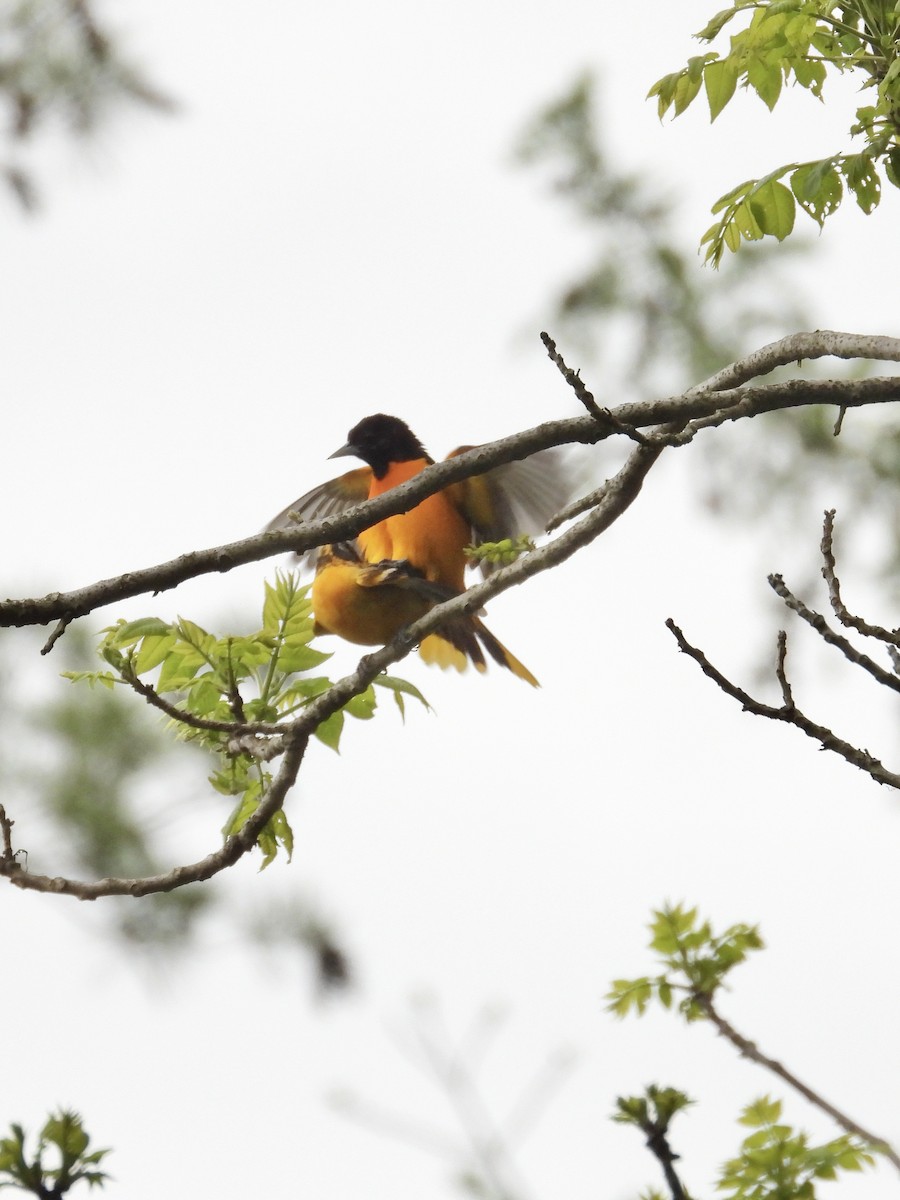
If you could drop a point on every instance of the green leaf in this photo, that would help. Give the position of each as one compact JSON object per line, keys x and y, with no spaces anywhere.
{"x":731,"y":236}
{"x":104,"y":678}
{"x":286,"y":608}
{"x":664,"y":90}
{"x":862,"y":178}
{"x":810,"y":74}
{"x":276,"y":832}
{"x":329,"y":731}
{"x":714,"y":27}
{"x":179,"y":669}
{"x":294,"y":658}
{"x":628,"y":994}
{"x":128,"y":632}
{"x":689,"y":83}
{"x":301,"y":690}
{"x":773,"y":208}
{"x":736,"y":193}
{"x":400,"y":688}
{"x":362,"y":706}
{"x":766,"y":80}
{"x":153,"y":650}
{"x":669,"y":926}
{"x":203,"y":643}
{"x":204,"y":697}
{"x":763,"y":1111}
{"x":720,"y":79}
{"x":240,"y":814}
{"x":818,"y":188}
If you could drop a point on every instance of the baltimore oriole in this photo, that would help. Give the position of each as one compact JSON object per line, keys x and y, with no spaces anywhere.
{"x":401,"y":567}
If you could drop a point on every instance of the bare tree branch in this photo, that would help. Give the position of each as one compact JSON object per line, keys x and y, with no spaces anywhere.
{"x":788,"y":712}
{"x":823,"y":343}
{"x":606,"y":506}
{"x":658,"y":1145}
{"x":573,"y":378}
{"x":718,"y":399}
{"x":234,"y":848}
{"x":829,"y":573}
{"x":817,"y":622}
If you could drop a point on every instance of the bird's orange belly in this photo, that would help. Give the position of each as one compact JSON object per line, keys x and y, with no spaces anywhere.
{"x":366,"y":616}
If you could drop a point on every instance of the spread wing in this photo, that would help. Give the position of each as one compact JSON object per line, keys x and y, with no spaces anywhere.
{"x":515,"y":498}
{"x":326,"y":500}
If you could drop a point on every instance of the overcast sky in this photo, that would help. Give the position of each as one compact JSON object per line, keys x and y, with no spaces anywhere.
{"x":332,"y":226}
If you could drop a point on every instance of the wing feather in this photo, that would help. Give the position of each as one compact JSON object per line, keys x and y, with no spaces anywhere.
{"x":515,"y":498}
{"x":326,"y":500}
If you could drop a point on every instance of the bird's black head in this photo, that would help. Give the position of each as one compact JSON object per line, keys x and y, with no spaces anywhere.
{"x":380,"y":440}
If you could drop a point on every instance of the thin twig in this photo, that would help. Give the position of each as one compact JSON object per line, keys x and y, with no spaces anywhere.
{"x":235,"y":728}
{"x":658,"y":1144}
{"x":790,"y":714}
{"x":787,"y":694}
{"x":829,"y":573}
{"x":575,"y":382}
{"x":235,"y":847}
{"x":61,"y":627}
{"x":6,"y":825}
{"x":817,"y":622}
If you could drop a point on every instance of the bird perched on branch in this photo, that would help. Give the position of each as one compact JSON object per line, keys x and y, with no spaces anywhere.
{"x":398,"y":569}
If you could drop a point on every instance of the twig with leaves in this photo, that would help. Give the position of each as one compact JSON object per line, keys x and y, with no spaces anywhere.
{"x":652,"y":1113}
{"x":696,"y":963}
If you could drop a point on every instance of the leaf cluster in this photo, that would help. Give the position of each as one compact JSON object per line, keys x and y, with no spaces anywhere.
{"x":777,"y":1161}
{"x":696,"y":962}
{"x":63,"y":1135}
{"x":638,"y":301}
{"x":232,"y":693}
{"x":652,"y":1112}
{"x":501,"y":553}
{"x":798,"y":42}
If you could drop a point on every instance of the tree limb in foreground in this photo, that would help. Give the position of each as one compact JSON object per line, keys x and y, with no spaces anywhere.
{"x":720,"y":398}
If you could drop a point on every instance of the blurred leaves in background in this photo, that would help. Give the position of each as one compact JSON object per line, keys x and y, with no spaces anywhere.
{"x":649,"y":320}
{"x":106,"y":792}
{"x":61,"y":67}
{"x":643,"y":307}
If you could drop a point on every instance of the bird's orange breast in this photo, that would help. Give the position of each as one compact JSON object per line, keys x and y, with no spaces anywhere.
{"x":432,"y":536}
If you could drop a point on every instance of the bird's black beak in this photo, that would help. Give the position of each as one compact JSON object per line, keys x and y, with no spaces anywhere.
{"x":346,"y":451}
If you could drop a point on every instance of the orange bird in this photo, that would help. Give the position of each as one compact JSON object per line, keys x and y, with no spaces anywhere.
{"x":401,"y":567}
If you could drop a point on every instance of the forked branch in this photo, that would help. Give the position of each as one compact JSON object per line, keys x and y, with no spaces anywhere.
{"x":788,"y":711}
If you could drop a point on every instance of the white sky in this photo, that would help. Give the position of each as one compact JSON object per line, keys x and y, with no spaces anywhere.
{"x":332,"y":227}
